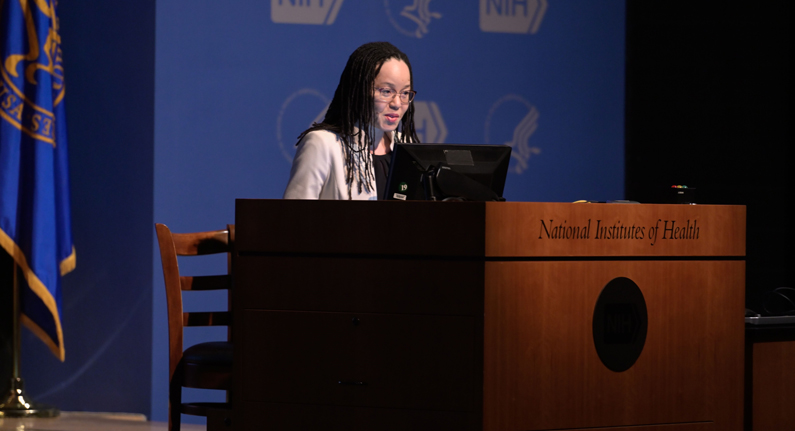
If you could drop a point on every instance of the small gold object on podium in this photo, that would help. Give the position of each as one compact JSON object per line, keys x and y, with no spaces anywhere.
{"x":15,"y":404}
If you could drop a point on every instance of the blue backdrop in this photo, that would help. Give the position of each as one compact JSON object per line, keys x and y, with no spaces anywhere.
{"x":236,"y":86}
{"x":235,"y":82}
{"x":108,"y":52}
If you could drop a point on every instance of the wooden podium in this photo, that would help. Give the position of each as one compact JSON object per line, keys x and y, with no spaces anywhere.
{"x":488,"y":316}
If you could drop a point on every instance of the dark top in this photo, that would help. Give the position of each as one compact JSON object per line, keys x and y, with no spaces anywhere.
{"x":381,"y":167}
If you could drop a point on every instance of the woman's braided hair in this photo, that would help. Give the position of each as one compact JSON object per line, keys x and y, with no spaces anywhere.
{"x":350,"y":114}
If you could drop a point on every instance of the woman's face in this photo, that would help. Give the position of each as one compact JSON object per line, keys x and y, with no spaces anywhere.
{"x":394,"y":75}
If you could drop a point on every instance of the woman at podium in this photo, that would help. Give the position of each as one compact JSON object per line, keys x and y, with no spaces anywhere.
{"x":347,"y":155}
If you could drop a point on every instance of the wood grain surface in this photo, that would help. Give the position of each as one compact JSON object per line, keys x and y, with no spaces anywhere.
{"x":774,"y":381}
{"x":416,"y":228}
{"x":515,"y":229}
{"x":541,"y":369}
{"x":418,"y":291}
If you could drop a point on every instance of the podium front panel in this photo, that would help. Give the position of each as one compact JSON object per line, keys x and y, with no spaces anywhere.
{"x":531,"y":229}
{"x":483,"y":316}
{"x":542,"y":370}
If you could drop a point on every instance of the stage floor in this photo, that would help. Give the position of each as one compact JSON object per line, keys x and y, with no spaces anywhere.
{"x":83,"y":421}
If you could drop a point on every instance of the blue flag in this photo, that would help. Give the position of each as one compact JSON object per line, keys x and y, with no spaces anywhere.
{"x":34,"y":187}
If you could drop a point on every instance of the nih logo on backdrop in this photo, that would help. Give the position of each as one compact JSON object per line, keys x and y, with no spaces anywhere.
{"x":316,"y":12}
{"x":511,"y":16}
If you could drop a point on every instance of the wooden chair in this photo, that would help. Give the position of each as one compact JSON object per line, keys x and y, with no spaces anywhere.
{"x":205,"y":365}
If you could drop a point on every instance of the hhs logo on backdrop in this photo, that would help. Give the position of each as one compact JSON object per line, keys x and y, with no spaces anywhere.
{"x":511,"y":16}
{"x":317,"y":12}
{"x":414,"y":17}
{"x":511,"y":121}
{"x":297,"y":113}
{"x":429,"y":123}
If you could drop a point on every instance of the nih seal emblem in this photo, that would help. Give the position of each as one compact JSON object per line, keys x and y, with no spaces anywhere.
{"x":416,"y":17}
{"x":511,"y":16}
{"x":316,"y":12}
{"x":20,"y":71}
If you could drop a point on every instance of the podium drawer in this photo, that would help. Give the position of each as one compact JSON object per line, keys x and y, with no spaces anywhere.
{"x":367,"y":360}
{"x":419,"y":286}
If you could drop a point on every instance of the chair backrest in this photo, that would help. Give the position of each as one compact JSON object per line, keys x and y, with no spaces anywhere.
{"x":192,"y":244}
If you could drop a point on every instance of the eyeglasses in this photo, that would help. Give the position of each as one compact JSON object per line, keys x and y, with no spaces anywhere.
{"x":387,"y":94}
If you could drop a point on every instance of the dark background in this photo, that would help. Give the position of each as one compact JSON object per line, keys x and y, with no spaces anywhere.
{"x":707,"y":106}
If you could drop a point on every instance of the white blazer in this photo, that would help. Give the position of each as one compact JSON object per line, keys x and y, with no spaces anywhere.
{"x":319,"y":169}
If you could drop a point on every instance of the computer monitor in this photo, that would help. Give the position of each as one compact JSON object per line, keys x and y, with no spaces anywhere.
{"x":447,"y":171}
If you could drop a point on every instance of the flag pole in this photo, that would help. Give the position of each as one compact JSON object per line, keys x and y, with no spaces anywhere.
{"x":15,"y":403}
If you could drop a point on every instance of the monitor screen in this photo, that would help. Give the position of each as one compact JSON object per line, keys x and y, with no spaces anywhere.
{"x":469,"y":172}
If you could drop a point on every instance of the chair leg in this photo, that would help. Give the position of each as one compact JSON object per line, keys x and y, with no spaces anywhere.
{"x":174,"y":404}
